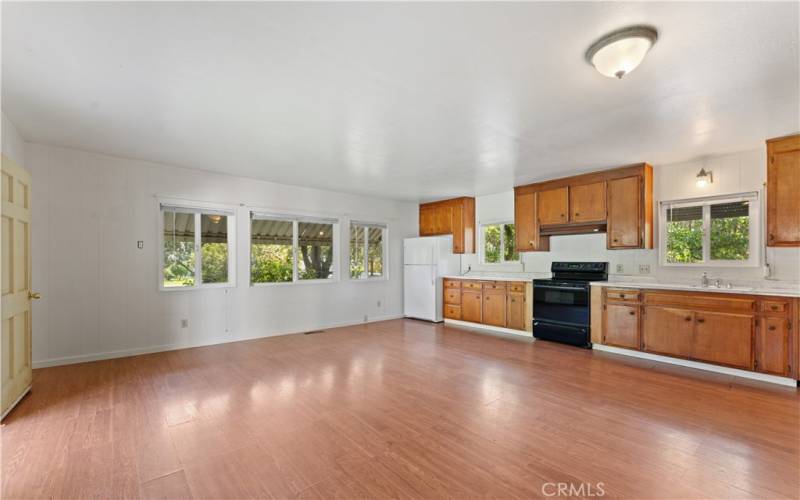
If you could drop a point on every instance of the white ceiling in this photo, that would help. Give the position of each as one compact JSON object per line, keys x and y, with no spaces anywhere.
{"x":408,"y":101}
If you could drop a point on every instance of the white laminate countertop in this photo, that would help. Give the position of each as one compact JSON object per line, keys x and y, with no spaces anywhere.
{"x":746,"y":290}
{"x":486,"y":276}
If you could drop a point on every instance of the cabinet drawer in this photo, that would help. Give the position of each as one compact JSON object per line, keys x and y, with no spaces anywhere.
{"x":452,"y":296}
{"x":618,"y":294}
{"x":472,"y":285}
{"x":516,"y":287}
{"x":494,"y":286}
{"x":775,"y":306}
{"x":700,"y":301}
{"x":452,"y":283}
{"x":452,"y":311}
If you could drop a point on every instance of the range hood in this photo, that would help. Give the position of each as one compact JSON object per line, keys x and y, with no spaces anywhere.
{"x":562,"y":229}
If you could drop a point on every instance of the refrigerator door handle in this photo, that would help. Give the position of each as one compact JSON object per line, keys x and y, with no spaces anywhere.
{"x":433,"y":266}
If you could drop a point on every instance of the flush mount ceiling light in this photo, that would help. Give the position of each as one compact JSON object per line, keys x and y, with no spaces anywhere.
{"x":704,"y":178}
{"x":620,"y":52}
{"x":215,"y":219}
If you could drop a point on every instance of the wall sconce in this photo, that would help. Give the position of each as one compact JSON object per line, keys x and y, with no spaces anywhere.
{"x":704,"y":178}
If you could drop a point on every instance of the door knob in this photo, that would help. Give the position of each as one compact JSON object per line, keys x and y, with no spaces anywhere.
{"x":34,"y":295}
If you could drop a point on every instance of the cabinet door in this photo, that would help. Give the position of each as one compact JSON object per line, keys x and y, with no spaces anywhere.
{"x":772,"y":346}
{"x":526,"y":224}
{"x":783,"y":186}
{"x":494,"y":309}
{"x":444,"y":219}
{"x":457,"y":215}
{"x":621,"y":326}
{"x":723,"y":338}
{"x":427,"y":220}
{"x":471,"y":306}
{"x":668,"y":330}
{"x":515,"y":311}
{"x":624,"y":213}
{"x":587,"y":203}
{"x":553,"y":206}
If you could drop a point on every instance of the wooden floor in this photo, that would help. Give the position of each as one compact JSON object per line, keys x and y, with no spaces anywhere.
{"x":400,"y":409}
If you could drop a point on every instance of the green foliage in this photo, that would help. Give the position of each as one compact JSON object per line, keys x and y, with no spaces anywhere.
{"x":316,"y":262}
{"x":214,"y":262}
{"x":270,"y":263}
{"x":730,"y":238}
{"x":178,"y":263}
{"x":685,"y":241}
{"x":510,"y":237}
{"x":491,"y":244}
{"x":375,"y":258}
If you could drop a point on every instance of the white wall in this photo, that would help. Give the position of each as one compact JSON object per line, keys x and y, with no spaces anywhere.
{"x":13,"y":146}
{"x":733,"y":173}
{"x":100,"y":293}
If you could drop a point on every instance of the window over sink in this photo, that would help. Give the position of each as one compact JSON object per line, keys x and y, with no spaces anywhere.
{"x":498,"y":243}
{"x":712,"y":231}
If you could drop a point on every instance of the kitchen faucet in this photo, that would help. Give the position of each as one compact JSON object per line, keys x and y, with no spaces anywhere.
{"x":704,"y":280}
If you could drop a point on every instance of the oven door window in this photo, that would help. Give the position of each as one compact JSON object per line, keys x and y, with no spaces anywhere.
{"x":558,"y":296}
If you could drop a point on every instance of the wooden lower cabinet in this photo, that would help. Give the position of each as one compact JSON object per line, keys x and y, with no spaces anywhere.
{"x":748,"y":332}
{"x":621,"y":325}
{"x":471,"y":305}
{"x":723,"y":338}
{"x":495,"y":303}
{"x":668,"y":330}
{"x":773,"y":353}
{"x":494,"y":308}
{"x":515,"y":311}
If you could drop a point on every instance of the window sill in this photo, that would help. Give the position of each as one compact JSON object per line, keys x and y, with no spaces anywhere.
{"x":329,"y":281}
{"x":701,"y":265}
{"x":368,"y":280}
{"x":207,"y":286}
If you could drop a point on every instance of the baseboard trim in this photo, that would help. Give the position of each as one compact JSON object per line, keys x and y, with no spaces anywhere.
{"x":762,"y":377}
{"x":124,"y":353}
{"x":489,"y":328}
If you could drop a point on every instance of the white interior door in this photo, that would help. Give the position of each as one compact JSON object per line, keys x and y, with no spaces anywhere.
{"x":15,"y":274}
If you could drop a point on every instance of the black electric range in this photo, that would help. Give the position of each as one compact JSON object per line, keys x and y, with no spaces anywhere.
{"x":561,"y":306}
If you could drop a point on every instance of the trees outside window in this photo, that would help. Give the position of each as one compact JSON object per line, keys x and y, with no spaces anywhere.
{"x":499,"y":243}
{"x":367,"y":250}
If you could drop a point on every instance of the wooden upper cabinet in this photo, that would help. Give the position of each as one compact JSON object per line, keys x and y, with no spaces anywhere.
{"x":552,"y":206}
{"x":455,"y":217}
{"x":427,"y":221}
{"x":526,"y":224}
{"x":624,"y":213}
{"x":783,"y":186}
{"x":587,"y":202}
{"x":618,"y":201}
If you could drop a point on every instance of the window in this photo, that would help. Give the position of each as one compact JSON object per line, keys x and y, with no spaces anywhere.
{"x":197,"y":247}
{"x":499,"y":243}
{"x":714,"y":231}
{"x":292,"y":249}
{"x":367,"y":250}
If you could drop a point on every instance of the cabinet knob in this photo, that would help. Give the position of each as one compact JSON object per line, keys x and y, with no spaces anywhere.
{"x":687,"y":318}
{"x":771,"y":237}
{"x":631,"y":313}
{"x":577,"y":214}
{"x":615,"y":240}
{"x":701,"y":320}
{"x":774,"y":308}
{"x":771,"y":328}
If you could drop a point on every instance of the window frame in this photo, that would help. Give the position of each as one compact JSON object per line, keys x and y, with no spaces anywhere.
{"x":755,"y":239}
{"x":198,"y":209}
{"x":295,"y":220}
{"x":482,"y":243}
{"x":365,"y":278}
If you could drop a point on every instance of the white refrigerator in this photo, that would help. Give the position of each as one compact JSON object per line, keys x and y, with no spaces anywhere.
{"x":425,"y":261}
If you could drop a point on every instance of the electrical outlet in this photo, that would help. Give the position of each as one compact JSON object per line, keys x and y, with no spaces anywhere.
{"x":620,"y":268}
{"x":379,"y":303}
{"x":184,"y":323}
{"x":644,"y":268}
{"x":140,"y":244}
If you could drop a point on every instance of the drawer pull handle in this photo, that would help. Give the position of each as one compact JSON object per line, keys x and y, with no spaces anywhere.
{"x":771,"y":328}
{"x":701,"y":320}
{"x":687,"y":318}
{"x":631,"y":313}
{"x":622,"y":295}
{"x":774,"y":308}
